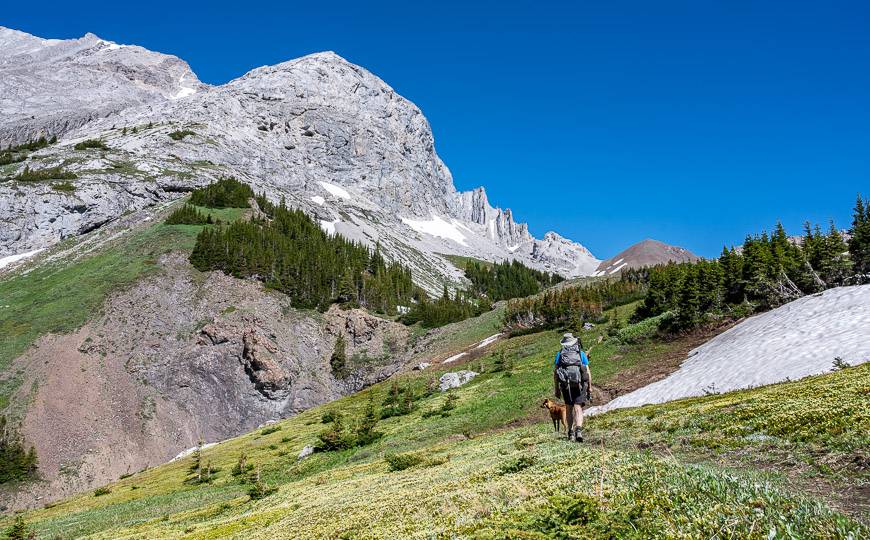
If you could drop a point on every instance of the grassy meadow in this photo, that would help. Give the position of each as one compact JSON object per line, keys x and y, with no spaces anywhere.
{"x":491,"y":467}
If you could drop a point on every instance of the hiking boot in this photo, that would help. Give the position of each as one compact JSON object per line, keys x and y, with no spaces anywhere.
{"x":570,"y":435}
{"x":578,"y":435}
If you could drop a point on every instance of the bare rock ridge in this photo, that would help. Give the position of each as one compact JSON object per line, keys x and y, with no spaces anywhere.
{"x":51,"y":86}
{"x":645,"y":253}
{"x":328,"y":135}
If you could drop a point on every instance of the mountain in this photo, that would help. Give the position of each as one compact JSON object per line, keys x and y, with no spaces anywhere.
{"x":51,"y":86}
{"x":120,"y":354}
{"x":645,"y":253}
{"x":327,"y":135}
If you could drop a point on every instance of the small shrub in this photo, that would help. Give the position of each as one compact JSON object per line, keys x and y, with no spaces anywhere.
{"x":400,"y":462}
{"x":91,"y":143}
{"x":100,"y":491}
{"x":839,"y":364}
{"x":38,"y":175}
{"x":180,"y":134}
{"x":20,"y":530}
{"x":270,"y":429}
{"x":259,"y":489}
{"x":188,"y":215}
{"x":327,"y":417}
{"x":516,"y":465}
{"x":64,"y":187}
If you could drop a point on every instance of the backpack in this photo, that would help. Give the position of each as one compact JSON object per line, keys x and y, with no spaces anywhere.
{"x":570,"y":365}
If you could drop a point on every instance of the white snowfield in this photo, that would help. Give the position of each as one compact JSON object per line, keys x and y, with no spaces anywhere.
{"x":335,"y":191}
{"x":438,"y":227}
{"x":793,"y":341}
{"x":6,"y":261}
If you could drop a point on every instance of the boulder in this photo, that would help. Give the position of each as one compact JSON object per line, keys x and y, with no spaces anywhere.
{"x":455,"y":379}
{"x":305,"y":452}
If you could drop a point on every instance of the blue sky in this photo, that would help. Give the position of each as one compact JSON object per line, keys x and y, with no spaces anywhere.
{"x":693,"y":122}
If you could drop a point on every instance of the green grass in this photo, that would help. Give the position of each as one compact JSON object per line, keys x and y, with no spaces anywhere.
{"x":61,"y":297}
{"x":461,"y":262}
{"x":471,"y":474}
{"x":821,"y":421}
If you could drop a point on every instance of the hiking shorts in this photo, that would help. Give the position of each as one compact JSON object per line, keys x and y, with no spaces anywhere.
{"x":573,"y":394}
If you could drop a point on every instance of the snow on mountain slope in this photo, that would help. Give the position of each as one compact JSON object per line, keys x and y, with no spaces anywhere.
{"x":328,"y":136}
{"x":798,"y":339}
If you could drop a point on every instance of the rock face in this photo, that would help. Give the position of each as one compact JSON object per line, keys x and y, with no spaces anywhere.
{"x":455,"y":379}
{"x":329,"y":136}
{"x":645,"y":253}
{"x":50,"y":86}
{"x":177,"y":359}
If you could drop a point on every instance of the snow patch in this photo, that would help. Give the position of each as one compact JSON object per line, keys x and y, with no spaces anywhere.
{"x":793,"y":341}
{"x":488,"y":340}
{"x":617,"y":269}
{"x":6,"y":261}
{"x":438,"y":227}
{"x":184,"y":92}
{"x":318,"y":200}
{"x":189,"y":451}
{"x":328,"y":226}
{"x":513,"y":248}
{"x":454,"y":358}
{"x":335,"y":191}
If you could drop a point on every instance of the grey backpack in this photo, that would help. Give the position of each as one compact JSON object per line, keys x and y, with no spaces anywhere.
{"x":570,"y":364}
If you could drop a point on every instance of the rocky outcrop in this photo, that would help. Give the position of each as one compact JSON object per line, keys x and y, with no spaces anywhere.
{"x":262,"y":368}
{"x":455,"y":379}
{"x":177,"y":358}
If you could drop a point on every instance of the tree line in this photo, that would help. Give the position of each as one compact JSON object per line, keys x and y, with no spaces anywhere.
{"x":572,"y":306}
{"x":225,"y":193}
{"x":508,"y":279}
{"x":289,"y":252}
{"x":767,"y":271}
{"x":446,"y":309}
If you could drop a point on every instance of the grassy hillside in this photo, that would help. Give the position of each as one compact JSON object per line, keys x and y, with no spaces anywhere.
{"x":61,"y":296}
{"x":491,"y":466}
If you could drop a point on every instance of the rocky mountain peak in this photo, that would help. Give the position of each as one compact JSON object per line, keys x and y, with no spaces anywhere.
{"x":51,"y":86}
{"x":647,"y":252}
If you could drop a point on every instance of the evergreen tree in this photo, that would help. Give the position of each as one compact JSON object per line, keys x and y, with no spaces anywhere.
{"x":20,"y":530}
{"x":17,"y":462}
{"x":338,"y":360}
{"x":859,"y":241}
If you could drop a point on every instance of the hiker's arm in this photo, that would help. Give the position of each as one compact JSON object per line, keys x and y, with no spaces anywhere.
{"x":556,"y":391}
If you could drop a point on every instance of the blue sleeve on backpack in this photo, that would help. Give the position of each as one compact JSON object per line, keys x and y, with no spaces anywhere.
{"x":558,"y":355}
{"x":584,"y":358}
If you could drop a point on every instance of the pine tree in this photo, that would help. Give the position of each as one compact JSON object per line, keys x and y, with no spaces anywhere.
{"x":338,"y":360}
{"x":859,"y":243}
{"x":20,"y":530}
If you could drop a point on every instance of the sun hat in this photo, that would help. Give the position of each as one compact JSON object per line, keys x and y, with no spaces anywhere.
{"x":568,"y":340}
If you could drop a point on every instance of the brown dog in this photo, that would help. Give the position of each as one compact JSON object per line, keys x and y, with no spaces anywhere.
{"x":558,"y":413}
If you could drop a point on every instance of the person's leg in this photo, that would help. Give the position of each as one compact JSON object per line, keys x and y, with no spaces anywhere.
{"x":578,"y":420}
{"x":570,"y":426}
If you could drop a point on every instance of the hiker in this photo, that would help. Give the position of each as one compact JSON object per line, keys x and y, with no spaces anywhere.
{"x":571,"y":380}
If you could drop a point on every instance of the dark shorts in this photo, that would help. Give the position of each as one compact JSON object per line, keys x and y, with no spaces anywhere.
{"x":573,"y":394}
